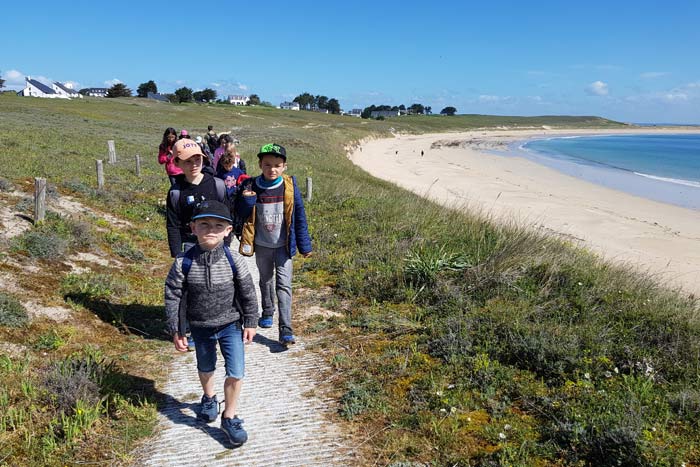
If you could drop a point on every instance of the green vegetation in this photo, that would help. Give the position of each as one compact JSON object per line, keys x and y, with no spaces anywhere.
{"x":462,"y":342}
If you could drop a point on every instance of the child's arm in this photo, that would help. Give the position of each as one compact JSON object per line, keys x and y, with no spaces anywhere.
{"x":301,"y":228}
{"x":245,"y":290}
{"x":173,"y":295}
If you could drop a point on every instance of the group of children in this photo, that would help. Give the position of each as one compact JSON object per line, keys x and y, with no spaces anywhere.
{"x":209,"y":291}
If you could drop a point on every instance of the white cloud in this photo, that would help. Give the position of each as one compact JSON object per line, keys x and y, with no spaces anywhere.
{"x":216,"y":85}
{"x":597,"y":88}
{"x":112,"y":82}
{"x":242,"y":87}
{"x":673,"y":96}
{"x":72,"y":84}
{"x":13,"y":78}
{"x":490,"y":98}
{"x":653,"y":74}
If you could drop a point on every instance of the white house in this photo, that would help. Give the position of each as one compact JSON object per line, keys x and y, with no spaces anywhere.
{"x":95,"y":92}
{"x":66,"y":90}
{"x":33,"y":88}
{"x":289,"y":106}
{"x":238,"y":100}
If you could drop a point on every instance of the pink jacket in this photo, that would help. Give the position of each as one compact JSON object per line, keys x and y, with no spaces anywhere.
{"x":165,"y":157}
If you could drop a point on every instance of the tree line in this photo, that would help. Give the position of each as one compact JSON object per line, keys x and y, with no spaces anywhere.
{"x":308,"y":101}
{"x":183,"y":94}
{"x":413,"y":109}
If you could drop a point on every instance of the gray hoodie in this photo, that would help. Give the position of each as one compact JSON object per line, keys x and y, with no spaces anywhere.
{"x":211,"y":291}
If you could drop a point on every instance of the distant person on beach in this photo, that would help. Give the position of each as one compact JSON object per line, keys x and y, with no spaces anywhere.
{"x":227,"y":146}
{"x":211,"y":139}
{"x":165,"y":154}
{"x":190,"y":189}
{"x":211,"y":288}
{"x":421,"y":153}
{"x":275,"y":227}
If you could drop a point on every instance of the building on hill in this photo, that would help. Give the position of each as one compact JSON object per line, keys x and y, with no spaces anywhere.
{"x":66,"y":90}
{"x":354,"y":113}
{"x":94,"y":92}
{"x":238,"y":100}
{"x":34,"y":88}
{"x":384,"y":113}
{"x":289,"y":106}
{"x":157,"y":97}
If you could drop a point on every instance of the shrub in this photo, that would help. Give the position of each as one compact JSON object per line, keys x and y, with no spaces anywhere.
{"x":91,"y":286}
{"x":42,"y":244}
{"x":6,"y":185}
{"x":12,"y":312}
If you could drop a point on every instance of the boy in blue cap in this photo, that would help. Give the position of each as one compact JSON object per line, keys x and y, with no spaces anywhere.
{"x":274,"y":229}
{"x":213,"y":290}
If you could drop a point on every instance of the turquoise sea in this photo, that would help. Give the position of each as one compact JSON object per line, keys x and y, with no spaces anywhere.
{"x":664,"y":168}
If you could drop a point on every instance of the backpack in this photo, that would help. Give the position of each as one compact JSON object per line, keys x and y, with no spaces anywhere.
{"x":186,"y":266}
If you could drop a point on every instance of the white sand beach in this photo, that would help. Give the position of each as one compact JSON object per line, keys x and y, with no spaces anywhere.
{"x":456,"y":171}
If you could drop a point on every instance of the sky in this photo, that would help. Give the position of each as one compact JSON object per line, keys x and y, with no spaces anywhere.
{"x":628,"y":61}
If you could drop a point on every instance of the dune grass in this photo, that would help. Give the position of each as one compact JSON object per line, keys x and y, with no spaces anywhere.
{"x":463,"y":341}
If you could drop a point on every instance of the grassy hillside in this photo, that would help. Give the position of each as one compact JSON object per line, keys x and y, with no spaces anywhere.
{"x":461,"y":342}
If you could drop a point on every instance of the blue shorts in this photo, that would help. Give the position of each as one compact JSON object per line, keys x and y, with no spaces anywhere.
{"x":230,"y":339}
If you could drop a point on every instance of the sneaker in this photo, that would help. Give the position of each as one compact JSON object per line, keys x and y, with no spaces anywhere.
{"x":208,"y":409}
{"x":265,"y":322}
{"x":190,"y":343}
{"x":287,"y":339}
{"x":233,"y":427}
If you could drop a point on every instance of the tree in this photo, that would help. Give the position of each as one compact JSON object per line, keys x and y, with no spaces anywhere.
{"x":184,"y":94}
{"x":305,"y":100}
{"x":416,"y":109}
{"x":333,"y":106}
{"x":205,"y":95}
{"x":321,"y":102}
{"x":145,"y":88}
{"x":119,"y":90}
{"x":253,"y":99}
{"x":428,"y":110}
{"x":2,"y":83}
{"x":448,"y":111}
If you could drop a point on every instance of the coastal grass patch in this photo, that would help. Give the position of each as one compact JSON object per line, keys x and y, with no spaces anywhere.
{"x":464,"y":341}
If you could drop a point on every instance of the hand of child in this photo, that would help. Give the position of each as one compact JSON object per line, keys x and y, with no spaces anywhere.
{"x":248,"y":334}
{"x":307,"y":255}
{"x":180,"y":342}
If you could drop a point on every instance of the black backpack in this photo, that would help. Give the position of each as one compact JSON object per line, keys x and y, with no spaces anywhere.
{"x":174,"y":195}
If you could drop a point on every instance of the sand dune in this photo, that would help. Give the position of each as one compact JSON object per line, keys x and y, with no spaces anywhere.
{"x":454,"y":170}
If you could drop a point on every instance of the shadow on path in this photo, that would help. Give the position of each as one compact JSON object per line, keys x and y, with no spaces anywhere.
{"x":273,"y":345}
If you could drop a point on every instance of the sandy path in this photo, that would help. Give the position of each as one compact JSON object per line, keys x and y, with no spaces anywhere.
{"x":286,"y":418}
{"x":659,"y":238}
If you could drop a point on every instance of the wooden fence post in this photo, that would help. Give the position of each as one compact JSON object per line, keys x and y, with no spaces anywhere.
{"x":100,"y":175}
{"x":112,"y":152}
{"x":39,"y":199}
{"x":138,"y":165}
{"x":309,"y":188}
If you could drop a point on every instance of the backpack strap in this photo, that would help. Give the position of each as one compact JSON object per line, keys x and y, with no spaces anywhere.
{"x":220,"y":189}
{"x":174,"y":195}
{"x":229,"y":256}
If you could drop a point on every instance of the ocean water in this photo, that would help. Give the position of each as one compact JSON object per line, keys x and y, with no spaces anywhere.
{"x":664,"y":168}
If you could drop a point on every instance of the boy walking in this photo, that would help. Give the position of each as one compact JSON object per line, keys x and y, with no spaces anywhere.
{"x":213,"y":290}
{"x":274,"y":229}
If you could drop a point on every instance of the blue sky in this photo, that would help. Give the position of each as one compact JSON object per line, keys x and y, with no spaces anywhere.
{"x":629,"y":61}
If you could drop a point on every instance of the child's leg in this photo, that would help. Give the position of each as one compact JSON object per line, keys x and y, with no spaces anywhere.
{"x":264,"y":259}
{"x":233,"y":351}
{"x":206,"y":358}
{"x":207,"y":380}
{"x":283,"y":282}
{"x":232,"y":391}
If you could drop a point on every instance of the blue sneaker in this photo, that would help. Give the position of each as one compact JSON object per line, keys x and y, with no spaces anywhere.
{"x":190,"y":343}
{"x":208,"y":409}
{"x":265,"y":322}
{"x":287,"y":339}
{"x":233,"y":427}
